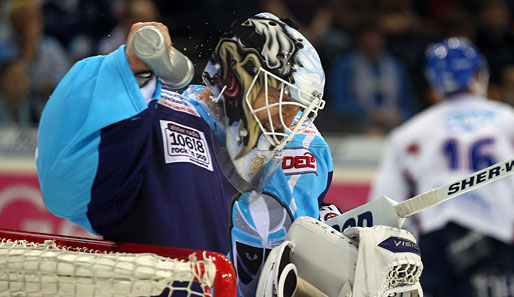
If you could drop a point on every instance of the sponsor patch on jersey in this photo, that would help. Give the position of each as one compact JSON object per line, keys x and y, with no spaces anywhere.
{"x":308,"y":129}
{"x":299,"y":161}
{"x":311,"y":129}
{"x":176,"y":102}
{"x":185,"y":144}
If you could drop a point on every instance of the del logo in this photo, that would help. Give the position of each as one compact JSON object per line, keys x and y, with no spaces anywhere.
{"x":299,"y":161}
{"x":400,"y":245}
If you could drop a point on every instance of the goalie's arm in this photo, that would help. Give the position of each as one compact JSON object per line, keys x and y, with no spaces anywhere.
{"x":96,"y":93}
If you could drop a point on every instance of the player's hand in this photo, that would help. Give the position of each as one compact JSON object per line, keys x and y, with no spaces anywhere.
{"x":137,"y":65}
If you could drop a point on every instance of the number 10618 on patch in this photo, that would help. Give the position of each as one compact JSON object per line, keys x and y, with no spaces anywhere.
{"x":185,"y":144}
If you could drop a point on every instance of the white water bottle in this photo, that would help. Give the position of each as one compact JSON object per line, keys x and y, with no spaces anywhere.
{"x":173,"y":68}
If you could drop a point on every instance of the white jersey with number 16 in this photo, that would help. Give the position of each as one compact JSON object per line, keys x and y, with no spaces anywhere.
{"x":448,"y":141}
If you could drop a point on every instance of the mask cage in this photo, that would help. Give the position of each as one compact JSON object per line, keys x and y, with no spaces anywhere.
{"x":280,"y":134}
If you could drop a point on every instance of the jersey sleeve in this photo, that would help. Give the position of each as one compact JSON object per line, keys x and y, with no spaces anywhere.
{"x":95,"y":93}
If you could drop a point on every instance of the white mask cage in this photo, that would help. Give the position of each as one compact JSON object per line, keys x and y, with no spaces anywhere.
{"x":280,"y":134}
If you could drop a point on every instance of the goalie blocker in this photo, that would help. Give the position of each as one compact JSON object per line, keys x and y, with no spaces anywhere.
{"x":317,"y":260}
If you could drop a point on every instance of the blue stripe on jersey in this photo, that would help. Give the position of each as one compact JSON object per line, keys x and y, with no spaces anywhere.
{"x":68,"y":160}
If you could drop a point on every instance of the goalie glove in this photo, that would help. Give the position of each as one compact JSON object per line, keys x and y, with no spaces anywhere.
{"x":278,"y":276}
{"x":388,"y":263}
{"x":361,"y":262}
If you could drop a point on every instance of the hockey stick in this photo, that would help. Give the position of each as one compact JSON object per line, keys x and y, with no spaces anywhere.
{"x":447,"y":192}
{"x":306,"y":289}
{"x":385,"y":211}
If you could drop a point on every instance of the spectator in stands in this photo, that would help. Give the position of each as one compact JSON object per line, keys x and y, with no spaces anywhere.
{"x":80,"y":24}
{"x":6,"y":47}
{"x":368,"y":87}
{"x":134,"y":11}
{"x":15,"y":107}
{"x":507,"y":85}
{"x":319,"y":20}
{"x":407,"y":38}
{"x":47,"y":59}
{"x":494,"y":37}
{"x":457,"y":21}
{"x":312,"y":16}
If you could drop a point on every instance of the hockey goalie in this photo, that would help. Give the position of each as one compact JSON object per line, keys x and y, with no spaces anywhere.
{"x":317,"y":260}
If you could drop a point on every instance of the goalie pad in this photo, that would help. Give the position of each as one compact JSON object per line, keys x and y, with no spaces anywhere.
{"x":279,"y":276}
{"x":362,"y":262}
{"x":324,"y":257}
{"x":388,"y":263}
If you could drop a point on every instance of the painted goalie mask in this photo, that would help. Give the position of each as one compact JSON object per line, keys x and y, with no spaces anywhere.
{"x":261,"y":72}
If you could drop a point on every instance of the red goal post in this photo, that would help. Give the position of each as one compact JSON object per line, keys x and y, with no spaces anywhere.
{"x":37,"y":264}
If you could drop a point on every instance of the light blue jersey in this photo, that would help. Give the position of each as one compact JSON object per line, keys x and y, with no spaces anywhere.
{"x":111,"y":160}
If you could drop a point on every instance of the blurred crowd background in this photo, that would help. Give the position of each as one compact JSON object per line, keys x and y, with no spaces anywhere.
{"x":372,"y":50}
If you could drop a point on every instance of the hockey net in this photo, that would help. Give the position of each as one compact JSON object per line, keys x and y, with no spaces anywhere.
{"x":35,"y":264}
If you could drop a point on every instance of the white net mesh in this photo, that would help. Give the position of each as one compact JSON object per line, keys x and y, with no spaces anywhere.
{"x":46,"y":269}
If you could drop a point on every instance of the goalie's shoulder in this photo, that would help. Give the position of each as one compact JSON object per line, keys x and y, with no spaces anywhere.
{"x":308,"y":128}
{"x":309,"y":152}
{"x":309,"y":137}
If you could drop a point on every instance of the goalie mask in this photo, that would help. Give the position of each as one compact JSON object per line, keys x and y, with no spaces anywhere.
{"x":267,"y":85}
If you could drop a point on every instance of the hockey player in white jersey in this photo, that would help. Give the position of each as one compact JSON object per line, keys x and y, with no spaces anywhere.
{"x":465,"y":241}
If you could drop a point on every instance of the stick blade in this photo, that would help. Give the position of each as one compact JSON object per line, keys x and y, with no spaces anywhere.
{"x":377,"y":212}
